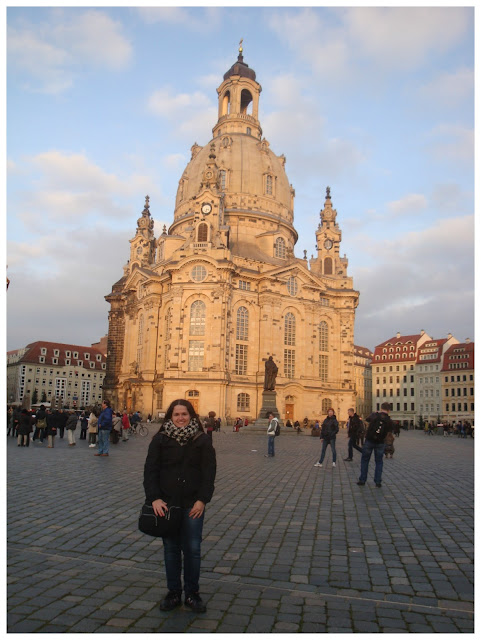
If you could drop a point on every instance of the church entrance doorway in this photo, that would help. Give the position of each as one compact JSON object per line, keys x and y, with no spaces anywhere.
{"x":289,"y":412}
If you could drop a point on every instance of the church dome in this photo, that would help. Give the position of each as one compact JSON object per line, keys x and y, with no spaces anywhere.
{"x":248,"y":170}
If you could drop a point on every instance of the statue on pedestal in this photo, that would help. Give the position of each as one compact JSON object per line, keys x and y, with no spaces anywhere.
{"x":270,"y":375}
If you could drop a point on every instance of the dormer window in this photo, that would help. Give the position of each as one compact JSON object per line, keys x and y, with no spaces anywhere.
{"x":99,"y":357}
{"x":43,"y":351}
{"x":79,"y":363}
{"x":92,"y":365}
{"x":87,"y":356}
{"x":41,"y":358}
{"x":56,"y":352}
{"x":67,"y":361}
{"x":75,"y":354}
{"x":67,"y":354}
{"x":54,"y":360}
{"x":269,"y":185}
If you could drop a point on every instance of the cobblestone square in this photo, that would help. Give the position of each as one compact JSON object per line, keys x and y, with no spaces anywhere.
{"x":287,"y":547}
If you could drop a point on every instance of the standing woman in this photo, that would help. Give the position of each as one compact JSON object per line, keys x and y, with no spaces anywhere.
{"x":70,"y":427}
{"x":329,"y":429}
{"x":92,"y":428}
{"x":51,"y":430}
{"x":24,"y":428}
{"x":180,"y":471}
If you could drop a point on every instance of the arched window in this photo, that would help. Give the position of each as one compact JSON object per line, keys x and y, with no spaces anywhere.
{"x":323,"y":336}
{"x":168,"y":323}
{"x":246,"y":101}
{"x":243,"y":402}
{"x":192,"y":393}
{"x":280,"y":248}
{"x":290,"y":329}
{"x":140,"y":333}
{"x":326,"y":405}
{"x":242,"y":326}
{"x":226,"y":103}
{"x":202,"y":231}
{"x":160,"y":251}
{"x":197,"y":318}
{"x":328,"y":266}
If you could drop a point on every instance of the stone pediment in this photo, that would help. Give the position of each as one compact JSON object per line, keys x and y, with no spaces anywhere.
{"x":306,"y":278}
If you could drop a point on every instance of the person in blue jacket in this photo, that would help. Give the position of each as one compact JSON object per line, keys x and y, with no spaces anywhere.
{"x":105,"y":427}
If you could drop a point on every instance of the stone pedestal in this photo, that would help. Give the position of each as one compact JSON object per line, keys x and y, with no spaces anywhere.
{"x":268,"y":406}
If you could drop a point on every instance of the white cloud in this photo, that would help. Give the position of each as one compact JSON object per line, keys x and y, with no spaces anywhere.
{"x":165,"y":103}
{"x":337,"y":43}
{"x":174,"y":161}
{"x":448,"y":89}
{"x":451,"y":143}
{"x":46,"y":55}
{"x":411,"y":203}
{"x":197,"y":19}
{"x":414,"y":275}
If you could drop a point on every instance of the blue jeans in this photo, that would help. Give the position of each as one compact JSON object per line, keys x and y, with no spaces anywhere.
{"x":332,"y":442}
{"x":352,"y":445}
{"x":367,"y":450}
{"x":104,"y":441}
{"x":186,"y":542}
{"x":270,"y":445}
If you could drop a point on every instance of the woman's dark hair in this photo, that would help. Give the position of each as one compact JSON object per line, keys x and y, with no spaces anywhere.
{"x":189,"y":407}
{"x":333,"y":412}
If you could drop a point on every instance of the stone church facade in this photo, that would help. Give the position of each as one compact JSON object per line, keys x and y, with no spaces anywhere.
{"x":200,"y":309}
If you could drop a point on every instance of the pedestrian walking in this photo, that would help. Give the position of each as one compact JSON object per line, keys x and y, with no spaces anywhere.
{"x":180,"y":471}
{"x":210,"y":424}
{"x":379,"y":425}
{"x":354,"y":425}
{"x":62,"y":418}
{"x":116,"y":428}
{"x":271,"y":434}
{"x":72,"y":422}
{"x":329,"y":429}
{"x":105,"y":427}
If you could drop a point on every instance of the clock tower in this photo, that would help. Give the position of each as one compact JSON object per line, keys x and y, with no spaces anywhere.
{"x":328,"y":238}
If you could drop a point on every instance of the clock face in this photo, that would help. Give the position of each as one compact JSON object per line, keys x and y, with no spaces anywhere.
{"x":328,"y":244}
{"x":206,"y":208}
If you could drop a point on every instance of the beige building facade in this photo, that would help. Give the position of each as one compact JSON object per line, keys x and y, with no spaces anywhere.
{"x":200,"y":309}
{"x":363,"y":381}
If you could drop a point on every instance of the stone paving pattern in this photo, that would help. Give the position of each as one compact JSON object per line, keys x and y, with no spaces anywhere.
{"x":287,"y":547}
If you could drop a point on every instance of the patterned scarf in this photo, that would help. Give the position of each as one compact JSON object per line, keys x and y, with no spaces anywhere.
{"x":182,"y":435}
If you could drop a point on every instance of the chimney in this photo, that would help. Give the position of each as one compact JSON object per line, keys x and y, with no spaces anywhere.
{"x":398,"y":335}
{"x":468,"y":340}
{"x":422,"y":332}
{"x":450,"y":335}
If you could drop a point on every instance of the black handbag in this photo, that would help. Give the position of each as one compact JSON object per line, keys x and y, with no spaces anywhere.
{"x":160,"y":526}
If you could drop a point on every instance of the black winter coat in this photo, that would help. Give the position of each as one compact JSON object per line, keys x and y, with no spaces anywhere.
{"x":355,"y":426}
{"x":180,"y":475}
{"x":25,"y":424}
{"x":329,"y":428}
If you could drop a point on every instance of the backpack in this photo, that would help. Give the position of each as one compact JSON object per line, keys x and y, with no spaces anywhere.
{"x":378,"y":428}
{"x":278,"y":428}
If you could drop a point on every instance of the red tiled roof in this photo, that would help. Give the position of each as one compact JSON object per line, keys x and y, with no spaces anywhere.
{"x":457,"y":354}
{"x":34,"y":351}
{"x":425,"y":349}
{"x":362,"y":351}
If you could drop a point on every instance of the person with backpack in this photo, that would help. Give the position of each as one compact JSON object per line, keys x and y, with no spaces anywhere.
{"x":272,"y":430}
{"x":329,"y":429}
{"x":379,"y":425}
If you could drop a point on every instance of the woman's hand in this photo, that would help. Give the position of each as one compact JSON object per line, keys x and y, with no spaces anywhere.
{"x":197,"y":510}
{"x":160,"y":507}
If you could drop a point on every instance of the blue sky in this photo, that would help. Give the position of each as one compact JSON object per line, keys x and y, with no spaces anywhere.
{"x":103,"y":105}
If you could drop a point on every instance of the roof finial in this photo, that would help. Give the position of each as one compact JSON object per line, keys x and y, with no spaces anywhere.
{"x":328,"y":193}
{"x":240,"y":57}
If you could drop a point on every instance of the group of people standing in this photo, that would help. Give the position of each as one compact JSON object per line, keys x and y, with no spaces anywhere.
{"x":101,"y":424}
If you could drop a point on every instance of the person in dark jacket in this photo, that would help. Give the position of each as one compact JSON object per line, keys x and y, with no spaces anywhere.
{"x":329,"y":429}
{"x":354,"y":426}
{"x":24,"y":428}
{"x":62,"y":422}
{"x":180,"y":471}
{"x":52,"y":425}
{"x":40,"y":424}
{"x":70,"y":426}
{"x":105,"y":427}
{"x":377,"y":447}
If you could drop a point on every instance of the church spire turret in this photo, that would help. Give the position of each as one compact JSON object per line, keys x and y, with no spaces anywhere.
{"x":142,"y":244}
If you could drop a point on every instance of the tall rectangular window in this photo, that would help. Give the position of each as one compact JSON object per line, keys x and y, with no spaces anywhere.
{"x":289,"y":363}
{"x":323,"y":367}
{"x":196,"y":355}
{"x":241,"y":359}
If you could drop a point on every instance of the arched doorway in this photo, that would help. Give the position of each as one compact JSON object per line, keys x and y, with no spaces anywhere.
{"x":289,"y":408}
